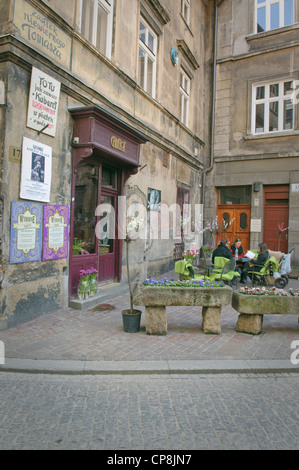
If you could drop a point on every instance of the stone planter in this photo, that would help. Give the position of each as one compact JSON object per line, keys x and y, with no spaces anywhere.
{"x":156,"y":299}
{"x":252,"y":308}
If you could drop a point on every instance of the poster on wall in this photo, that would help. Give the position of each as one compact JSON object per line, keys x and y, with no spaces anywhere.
{"x":36,"y":172}
{"x":26,"y":232}
{"x":154,"y":199}
{"x":43,"y":102}
{"x":55,"y":231}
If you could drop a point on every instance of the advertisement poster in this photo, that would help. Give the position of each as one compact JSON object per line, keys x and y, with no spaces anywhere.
{"x":43,"y":102}
{"x":36,"y":171}
{"x":55,"y":232}
{"x":26,"y":232}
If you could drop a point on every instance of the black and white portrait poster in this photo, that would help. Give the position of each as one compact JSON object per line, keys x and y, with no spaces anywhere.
{"x":36,"y":171}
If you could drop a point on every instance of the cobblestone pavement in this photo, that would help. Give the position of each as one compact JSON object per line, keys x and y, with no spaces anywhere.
{"x":149,"y":412}
{"x":91,"y":335}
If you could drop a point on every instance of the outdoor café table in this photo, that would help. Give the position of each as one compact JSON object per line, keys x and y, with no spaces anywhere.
{"x":207,"y":266}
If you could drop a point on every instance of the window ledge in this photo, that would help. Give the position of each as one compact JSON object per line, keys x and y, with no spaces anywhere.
{"x":272,"y":32}
{"x":271,"y":135}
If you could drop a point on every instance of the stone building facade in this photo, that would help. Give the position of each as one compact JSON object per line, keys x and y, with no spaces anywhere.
{"x":253,"y":176}
{"x":102,"y":103}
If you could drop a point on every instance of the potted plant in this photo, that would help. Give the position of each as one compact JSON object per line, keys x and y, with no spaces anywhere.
{"x":131,"y":317}
{"x":88,"y":285}
{"x":190,"y":255}
{"x":208,"y":250}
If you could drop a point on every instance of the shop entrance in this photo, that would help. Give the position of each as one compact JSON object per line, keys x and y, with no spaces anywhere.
{"x":234,"y":213}
{"x":276,"y":214}
{"x":105,"y":153}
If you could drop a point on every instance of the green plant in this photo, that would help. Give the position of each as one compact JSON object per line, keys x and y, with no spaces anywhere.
{"x":193,"y":283}
{"x":80,"y":247}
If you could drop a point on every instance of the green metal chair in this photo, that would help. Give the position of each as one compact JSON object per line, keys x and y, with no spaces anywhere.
{"x":259,"y":273}
{"x":224,"y":270}
{"x":186,"y":271}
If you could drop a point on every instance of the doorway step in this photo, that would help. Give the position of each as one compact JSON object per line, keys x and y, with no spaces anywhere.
{"x":107,"y":290}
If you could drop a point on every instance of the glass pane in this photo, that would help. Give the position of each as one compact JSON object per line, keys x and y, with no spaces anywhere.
{"x":260,"y":93}
{"x":288,"y":12}
{"x":87,"y":19}
{"x":225,"y":220}
{"x":150,"y":71}
{"x":108,"y":177}
{"x":274,"y":90}
{"x":288,"y":88}
{"x":274,"y":16}
{"x":273,"y":116}
{"x":141,"y":65}
{"x":288,"y":113}
{"x":261,"y":19}
{"x":259,"y":123}
{"x":102,"y":30}
{"x":142,"y":32}
{"x":150,"y":42}
{"x":235,"y":195}
{"x":243,"y":221}
{"x":107,"y":225}
{"x":86,"y":198}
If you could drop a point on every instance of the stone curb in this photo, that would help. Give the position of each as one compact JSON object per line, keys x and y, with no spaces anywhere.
{"x":147,"y":367}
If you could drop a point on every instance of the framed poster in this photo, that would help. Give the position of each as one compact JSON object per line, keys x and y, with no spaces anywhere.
{"x":26,"y":232}
{"x":153,"y":199}
{"x":43,"y":102}
{"x":36,"y":171}
{"x":55,"y":231}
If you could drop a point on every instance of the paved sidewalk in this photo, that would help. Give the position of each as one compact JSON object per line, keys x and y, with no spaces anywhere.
{"x":93,"y":341}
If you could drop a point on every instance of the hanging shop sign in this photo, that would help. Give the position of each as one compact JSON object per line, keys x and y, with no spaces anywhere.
{"x":26,"y":232}
{"x":43,"y":102}
{"x":55,"y":231}
{"x":36,"y":171}
{"x":41,"y":33}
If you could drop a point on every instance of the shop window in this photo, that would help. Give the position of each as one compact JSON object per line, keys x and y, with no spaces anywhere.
{"x":272,"y":14}
{"x":95,"y":23}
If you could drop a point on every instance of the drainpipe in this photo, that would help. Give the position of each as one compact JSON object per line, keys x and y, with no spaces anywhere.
{"x":211,"y":164}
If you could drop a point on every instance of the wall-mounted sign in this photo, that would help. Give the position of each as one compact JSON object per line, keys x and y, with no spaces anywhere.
{"x":255,"y":225}
{"x":14,"y":154}
{"x":36,"y":171}
{"x":55,"y":231}
{"x":295,"y":187}
{"x":41,"y":33}
{"x":43,"y":102}
{"x":26,"y":232}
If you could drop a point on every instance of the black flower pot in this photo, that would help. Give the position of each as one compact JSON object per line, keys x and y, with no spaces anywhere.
{"x":131,"y":321}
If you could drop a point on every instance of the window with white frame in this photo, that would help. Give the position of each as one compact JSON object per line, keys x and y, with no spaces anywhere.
{"x":95,"y":23}
{"x":185,"y":85}
{"x":185,"y":10}
{"x":272,"y":14}
{"x":273,"y":107}
{"x":147,"y":58}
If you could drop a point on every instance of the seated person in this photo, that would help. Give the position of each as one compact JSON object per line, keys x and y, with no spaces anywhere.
{"x":237,"y":249}
{"x":222,"y":250}
{"x":238,"y":252}
{"x":263,"y":256}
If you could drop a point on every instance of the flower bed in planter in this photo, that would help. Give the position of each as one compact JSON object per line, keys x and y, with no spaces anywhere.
{"x":157,"y":295}
{"x":253,"y":303}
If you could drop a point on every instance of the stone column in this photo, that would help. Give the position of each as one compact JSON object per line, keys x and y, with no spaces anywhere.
{"x":155,"y":320}
{"x":211,"y":320}
{"x":249,"y":323}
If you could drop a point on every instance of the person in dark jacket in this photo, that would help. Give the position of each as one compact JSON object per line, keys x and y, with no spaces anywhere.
{"x":222,"y":250}
{"x":263,"y":256}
